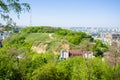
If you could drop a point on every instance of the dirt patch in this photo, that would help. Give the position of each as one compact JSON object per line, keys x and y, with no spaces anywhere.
{"x":46,"y":47}
{"x":56,"y":52}
{"x":65,"y":46}
{"x":41,"y":48}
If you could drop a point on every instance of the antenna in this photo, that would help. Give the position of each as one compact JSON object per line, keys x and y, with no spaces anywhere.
{"x":30,"y":17}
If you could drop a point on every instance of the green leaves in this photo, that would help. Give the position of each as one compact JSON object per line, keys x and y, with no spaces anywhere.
{"x":16,"y":6}
{"x":99,"y":48}
{"x":49,"y":72}
{"x":8,"y":68}
{"x":43,"y":67}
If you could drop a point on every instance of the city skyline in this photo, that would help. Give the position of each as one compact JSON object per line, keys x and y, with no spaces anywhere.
{"x":69,"y":13}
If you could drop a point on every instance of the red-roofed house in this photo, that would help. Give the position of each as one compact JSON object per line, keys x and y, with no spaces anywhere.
{"x":71,"y":53}
{"x":75,"y":53}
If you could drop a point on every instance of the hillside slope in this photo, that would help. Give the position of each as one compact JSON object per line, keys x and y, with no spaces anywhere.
{"x":53,"y":40}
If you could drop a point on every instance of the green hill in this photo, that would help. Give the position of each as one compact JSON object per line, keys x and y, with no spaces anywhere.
{"x":47,"y":39}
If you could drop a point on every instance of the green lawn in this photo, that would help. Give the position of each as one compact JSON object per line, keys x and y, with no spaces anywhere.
{"x":37,"y":37}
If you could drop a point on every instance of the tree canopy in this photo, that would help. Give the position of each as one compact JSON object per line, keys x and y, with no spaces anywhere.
{"x":8,"y":6}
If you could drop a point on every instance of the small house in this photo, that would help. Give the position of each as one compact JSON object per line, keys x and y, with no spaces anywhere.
{"x":88,"y":54}
{"x":64,"y":54}
{"x":71,"y":53}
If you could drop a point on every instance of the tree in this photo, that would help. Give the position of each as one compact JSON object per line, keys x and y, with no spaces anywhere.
{"x":113,"y":54}
{"x":99,"y":48}
{"x":86,"y":45}
{"x":8,"y":68}
{"x":113,"y":57}
{"x":49,"y":72}
{"x":8,"y":6}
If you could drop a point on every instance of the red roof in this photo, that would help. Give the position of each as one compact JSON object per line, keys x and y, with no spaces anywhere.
{"x":75,"y":52}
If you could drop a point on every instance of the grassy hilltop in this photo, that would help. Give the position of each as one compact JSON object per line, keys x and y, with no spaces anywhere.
{"x":48,"y":39}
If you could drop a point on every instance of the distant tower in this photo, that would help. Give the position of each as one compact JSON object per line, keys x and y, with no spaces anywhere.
{"x":30,"y":18}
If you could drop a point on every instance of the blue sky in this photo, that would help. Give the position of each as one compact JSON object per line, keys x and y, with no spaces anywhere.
{"x":69,"y":13}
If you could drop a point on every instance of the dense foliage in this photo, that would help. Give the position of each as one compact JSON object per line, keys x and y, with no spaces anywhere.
{"x":45,"y":67}
{"x":19,"y":62}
